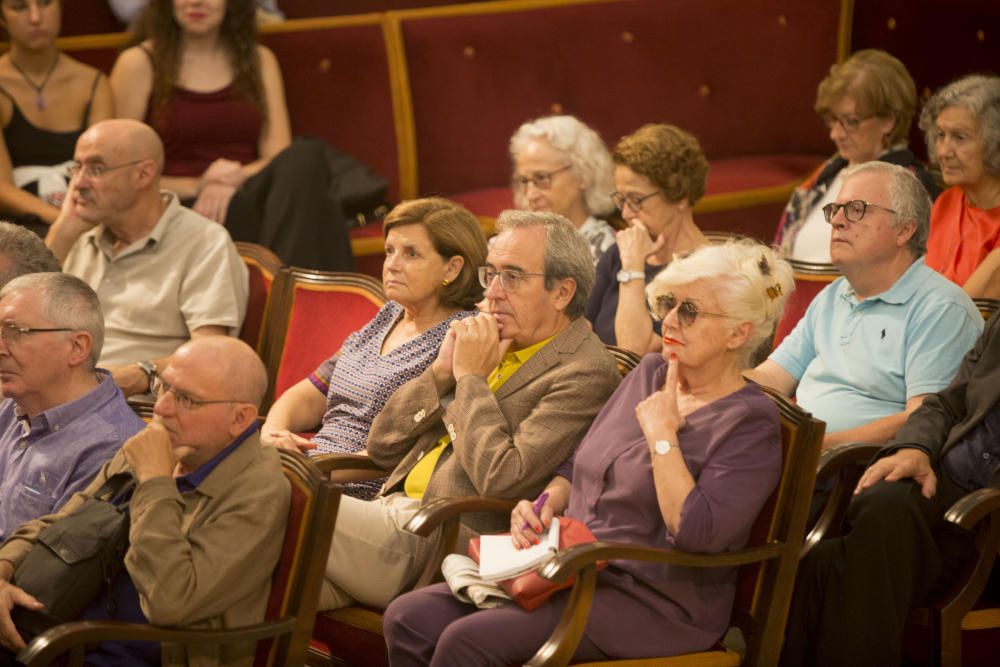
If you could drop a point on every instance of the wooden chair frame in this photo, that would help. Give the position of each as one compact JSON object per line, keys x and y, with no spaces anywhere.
{"x":979,"y":512}
{"x":290,"y":632}
{"x":987,"y":307}
{"x":283,"y":301}
{"x":270,"y":265}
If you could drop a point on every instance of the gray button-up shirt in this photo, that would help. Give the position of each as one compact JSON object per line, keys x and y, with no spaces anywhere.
{"x":45,"y":461}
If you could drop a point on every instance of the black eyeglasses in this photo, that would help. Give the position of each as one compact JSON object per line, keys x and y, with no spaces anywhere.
{"x":541,"y":179}
{"x":12,"y":333}
{"x":849,"y":123}
{"x":186,"y":401}
{"x":96,"y":170}
{"x":687,"y":310}
{"x":634,"y":201}
{"x":854,"y":210}
{"x":510,"y":279}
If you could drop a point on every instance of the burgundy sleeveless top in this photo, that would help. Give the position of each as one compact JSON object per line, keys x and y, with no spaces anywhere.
{"x":199,"y":128}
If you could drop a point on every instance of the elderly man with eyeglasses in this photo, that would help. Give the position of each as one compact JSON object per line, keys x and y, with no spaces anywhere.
{"x":164,"y":274}
{"x":508,"y":398}
{"x":876,"y":342}
{"x":61,"y":417}
{"x":206,"y":516}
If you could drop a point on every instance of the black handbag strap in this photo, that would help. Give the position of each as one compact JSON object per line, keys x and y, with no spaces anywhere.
{"x":117,"y":486}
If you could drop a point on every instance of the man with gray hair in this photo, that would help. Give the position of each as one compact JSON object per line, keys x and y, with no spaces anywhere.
{"x":508,"y":398}
{"x":874,"y":343}
{"x":23,"y":252}
{"x":62,"y":418}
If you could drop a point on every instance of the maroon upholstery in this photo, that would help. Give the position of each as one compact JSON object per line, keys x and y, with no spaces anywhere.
{"x":88,"y":17}
{"x":337,"y":88}
{"x":260,"y":288}
{"x":321,"y":318}
{"x":806,"y":290}
{"x":336,"y":634}
{"x":966,"y":29}
{"x":616,"y":65}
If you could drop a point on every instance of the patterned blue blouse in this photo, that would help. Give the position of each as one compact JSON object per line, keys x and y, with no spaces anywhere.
{"x":358,"y":381}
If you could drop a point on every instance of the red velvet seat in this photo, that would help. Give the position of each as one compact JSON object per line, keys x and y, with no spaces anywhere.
{"x":312,"y":313}
{"x":810,"y":279}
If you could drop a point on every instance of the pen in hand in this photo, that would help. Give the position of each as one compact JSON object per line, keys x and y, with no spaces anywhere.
{"x":537,"y":508}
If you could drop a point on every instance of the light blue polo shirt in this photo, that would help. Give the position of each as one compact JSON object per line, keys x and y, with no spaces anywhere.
{"x":860,"y":361}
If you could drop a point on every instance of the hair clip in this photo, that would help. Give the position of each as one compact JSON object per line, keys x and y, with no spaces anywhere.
{"x":765,"y":268}
{"x":774,"y":291}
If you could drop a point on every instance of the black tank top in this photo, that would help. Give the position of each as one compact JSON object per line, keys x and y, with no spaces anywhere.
{"x":28,"y":144}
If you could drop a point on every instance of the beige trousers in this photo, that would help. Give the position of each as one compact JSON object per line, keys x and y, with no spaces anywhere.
{"x":372,"y":559}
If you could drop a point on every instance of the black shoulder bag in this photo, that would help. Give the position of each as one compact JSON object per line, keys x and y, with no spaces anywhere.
{"x":75,"y":558}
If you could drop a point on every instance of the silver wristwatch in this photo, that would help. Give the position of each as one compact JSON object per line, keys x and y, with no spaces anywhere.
{"x":624,"y":276}
{"x":149,"y":368}
{"x":663,"y":447}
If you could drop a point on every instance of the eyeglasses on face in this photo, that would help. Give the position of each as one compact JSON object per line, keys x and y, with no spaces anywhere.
{"x":849,"y":122}
{"x":634,"y":201}
{"x":510,"y":279}
{"x":186,"y":401}
{"x":12,"y":333}
{"x":687,"y":310}
{"x":541,"y":179}
{"x":96,"y":169}
{"x":854,"y":210}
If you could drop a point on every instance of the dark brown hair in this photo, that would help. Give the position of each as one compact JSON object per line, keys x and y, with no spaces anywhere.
{"x":237,"y":34}
{"x":453,"y":231}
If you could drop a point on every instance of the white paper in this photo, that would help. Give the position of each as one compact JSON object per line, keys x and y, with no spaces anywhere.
{"x":499,"y":559}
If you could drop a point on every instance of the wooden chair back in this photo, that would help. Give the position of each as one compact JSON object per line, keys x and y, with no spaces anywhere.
{"x":311,"y":314}
{"x":626,"y":360}
{"x":263,"y":267}
{"x":987,"y":307}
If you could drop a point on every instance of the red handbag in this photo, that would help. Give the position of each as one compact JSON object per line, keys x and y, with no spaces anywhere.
{"x":529,"y":590}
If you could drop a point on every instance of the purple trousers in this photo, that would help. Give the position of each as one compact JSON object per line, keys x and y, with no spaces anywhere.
{"x":431,"y":627}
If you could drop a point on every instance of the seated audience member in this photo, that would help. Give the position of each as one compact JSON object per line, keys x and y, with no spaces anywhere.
{"x":508,"y":397}
{"x":62,"y":418}
{"x":128,"y":11}
{"x":207,"y":515}
{"x":875,"y":342}
{"x":562,"y":166}
{"x":962,"y":122}
{"x":164,"y":274}
{"x":433,"y":250}
{"x":47,"y":99}
{"x":660,"y":174}
{"x":852,"y":593}
{"x":216,"y":98}
{"x":868,"y":102}
{"x":684,"y":434}
{"x":23,"y":252}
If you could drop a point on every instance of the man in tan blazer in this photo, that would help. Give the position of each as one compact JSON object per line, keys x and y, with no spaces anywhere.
{"x":509,"y":397}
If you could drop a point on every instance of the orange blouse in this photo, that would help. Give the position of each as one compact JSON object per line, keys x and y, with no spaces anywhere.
{"x":961,"y":235}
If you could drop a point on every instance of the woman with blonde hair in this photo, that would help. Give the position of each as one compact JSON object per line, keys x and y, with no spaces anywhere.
{"x":867,"y":102}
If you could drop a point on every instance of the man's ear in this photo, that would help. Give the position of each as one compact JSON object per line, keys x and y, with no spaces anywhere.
{"x":82,"y":344}
{"x":563,"y":292}
{"x":243,"y":416}
{"x":146,"y":173}
{"x":905,"y":232}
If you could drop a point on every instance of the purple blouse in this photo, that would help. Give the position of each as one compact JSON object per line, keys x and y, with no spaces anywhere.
{"x":732,"y":448}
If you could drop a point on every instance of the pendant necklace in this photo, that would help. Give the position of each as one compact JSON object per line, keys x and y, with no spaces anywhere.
{"x":39,"y":98}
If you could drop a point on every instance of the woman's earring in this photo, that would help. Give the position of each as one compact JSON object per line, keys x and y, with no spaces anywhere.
{"x":444,"y":283}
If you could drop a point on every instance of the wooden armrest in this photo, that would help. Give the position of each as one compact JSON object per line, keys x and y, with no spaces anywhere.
{"x":973,"y":508}
{"x":570,"y":561}
{"x":56,"y":641}
{"x":835,"y":459}
{"x":440,"y":510}
{"x":333,"y":462}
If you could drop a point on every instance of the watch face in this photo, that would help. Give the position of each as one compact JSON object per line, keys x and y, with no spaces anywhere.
{"x":662,"y":446}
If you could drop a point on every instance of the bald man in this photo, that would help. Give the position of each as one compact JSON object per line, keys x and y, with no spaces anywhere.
{"x":207,"y":516}
{"x":163,"y":273}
